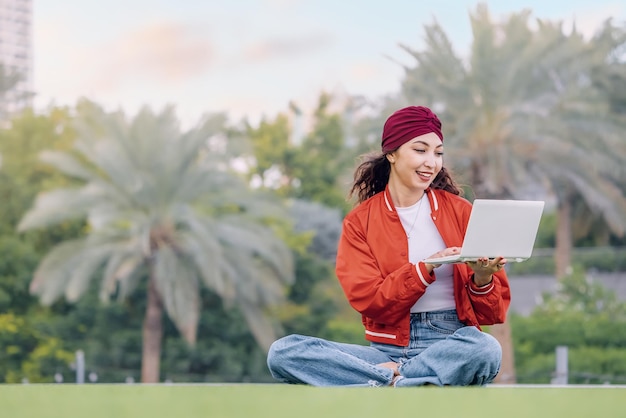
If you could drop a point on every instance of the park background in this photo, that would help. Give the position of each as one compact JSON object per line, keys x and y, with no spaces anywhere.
{"x":172,"y":242}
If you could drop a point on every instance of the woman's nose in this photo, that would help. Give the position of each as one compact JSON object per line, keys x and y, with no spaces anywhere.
{"x":430,"y":160}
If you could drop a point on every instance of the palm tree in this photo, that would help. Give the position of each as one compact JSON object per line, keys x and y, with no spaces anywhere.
{"x":523,"y":118}
{"x":160,"y":205}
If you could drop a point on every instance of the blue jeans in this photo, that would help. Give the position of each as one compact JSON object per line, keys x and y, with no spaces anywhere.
{"x":441,"y":351}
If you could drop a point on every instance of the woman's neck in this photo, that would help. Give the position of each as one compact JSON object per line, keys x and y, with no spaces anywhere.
{"x":403,"y":197}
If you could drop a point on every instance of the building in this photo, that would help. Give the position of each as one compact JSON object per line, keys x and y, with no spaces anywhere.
{"x":16,"y":56}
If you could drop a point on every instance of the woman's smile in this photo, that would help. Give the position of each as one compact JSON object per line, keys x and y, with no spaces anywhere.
{"x":424,"y":175}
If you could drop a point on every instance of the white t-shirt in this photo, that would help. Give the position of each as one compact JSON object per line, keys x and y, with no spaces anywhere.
{"x":424,"y":240}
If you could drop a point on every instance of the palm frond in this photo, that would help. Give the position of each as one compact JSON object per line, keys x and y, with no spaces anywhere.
{"x":56,"y":206}
{"x":119,"y":269}
{"x":178,"y":286}
{"x":66,"y":164}
{"x":602,"y":197}
{"x":95,"y":253}
{"x":257,"y":242}
{"x":202,"y":245}
{"x":53,"y":273}
{"x":260,"y":324}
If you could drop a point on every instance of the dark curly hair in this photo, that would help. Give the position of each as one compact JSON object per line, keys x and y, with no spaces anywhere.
{"x":372,"y":176}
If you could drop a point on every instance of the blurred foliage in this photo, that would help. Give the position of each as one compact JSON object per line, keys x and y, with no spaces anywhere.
{"x":310,"y":168}
{"x":23,"y":175}
{"x":109,"y":334}
{"x":585,"y":317}
{"x":600,"y":259}
{"x":28,"y":353}
{"x":161,"y":200}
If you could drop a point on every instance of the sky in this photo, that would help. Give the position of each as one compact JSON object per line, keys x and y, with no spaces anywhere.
{"x":250,"y":58}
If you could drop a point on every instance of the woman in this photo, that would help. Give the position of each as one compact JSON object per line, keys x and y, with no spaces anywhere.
{"x":421,"y":319}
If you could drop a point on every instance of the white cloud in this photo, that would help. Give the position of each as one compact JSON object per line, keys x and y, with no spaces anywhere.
{"x":162,"y":53}
{"x":287,"y":47}
{"x":165,"y":52}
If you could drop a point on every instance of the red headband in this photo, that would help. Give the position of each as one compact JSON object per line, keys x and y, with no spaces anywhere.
{"x":408,"y":123}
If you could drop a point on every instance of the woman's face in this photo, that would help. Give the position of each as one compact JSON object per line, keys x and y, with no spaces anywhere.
{"x":417,"y":162}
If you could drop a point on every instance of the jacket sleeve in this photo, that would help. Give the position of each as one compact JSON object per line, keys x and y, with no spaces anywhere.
{"x":490,"y":302}
{"x":387,"y":298}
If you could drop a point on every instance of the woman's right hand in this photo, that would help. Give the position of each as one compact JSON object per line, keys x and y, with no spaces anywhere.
{"x":443,"y":253}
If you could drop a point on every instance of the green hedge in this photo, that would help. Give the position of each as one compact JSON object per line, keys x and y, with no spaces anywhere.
{"x":604,"y":259}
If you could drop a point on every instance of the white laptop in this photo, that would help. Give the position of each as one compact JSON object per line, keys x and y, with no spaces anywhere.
{"x":506,"y":228}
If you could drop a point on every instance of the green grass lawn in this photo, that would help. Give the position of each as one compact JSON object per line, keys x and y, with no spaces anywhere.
{"x":189,"y":401}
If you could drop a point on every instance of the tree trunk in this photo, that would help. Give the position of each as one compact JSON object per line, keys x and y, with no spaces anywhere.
{"x":502,"y":333}
{"x":152,"y":336}
{"x":563,"y":250}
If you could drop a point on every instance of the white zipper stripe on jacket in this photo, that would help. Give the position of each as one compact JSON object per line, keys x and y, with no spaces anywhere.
{"x":387,"y":202}
{"x":435,"y":202}
{"x":380,"y":334}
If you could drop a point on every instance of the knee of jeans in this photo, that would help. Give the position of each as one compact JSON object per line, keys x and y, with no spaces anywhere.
{"x":279,"y":349}
{"x":491,"y":350}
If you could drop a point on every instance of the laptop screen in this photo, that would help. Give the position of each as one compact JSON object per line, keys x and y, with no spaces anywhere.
{"x":506,"y":228}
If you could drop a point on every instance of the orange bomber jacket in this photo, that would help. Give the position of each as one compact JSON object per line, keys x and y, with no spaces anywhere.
{"x":380,"y":282}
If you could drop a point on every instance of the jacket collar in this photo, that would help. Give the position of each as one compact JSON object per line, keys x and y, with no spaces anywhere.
{"x":432,"y":197}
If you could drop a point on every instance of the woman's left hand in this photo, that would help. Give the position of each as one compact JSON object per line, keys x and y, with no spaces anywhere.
{"x":484,"y":268}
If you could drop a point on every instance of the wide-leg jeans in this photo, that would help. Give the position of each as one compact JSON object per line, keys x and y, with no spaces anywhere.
{"x":442,"y":351}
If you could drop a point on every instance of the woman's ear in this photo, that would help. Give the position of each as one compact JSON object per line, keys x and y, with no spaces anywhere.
{"x":390,"y":158}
